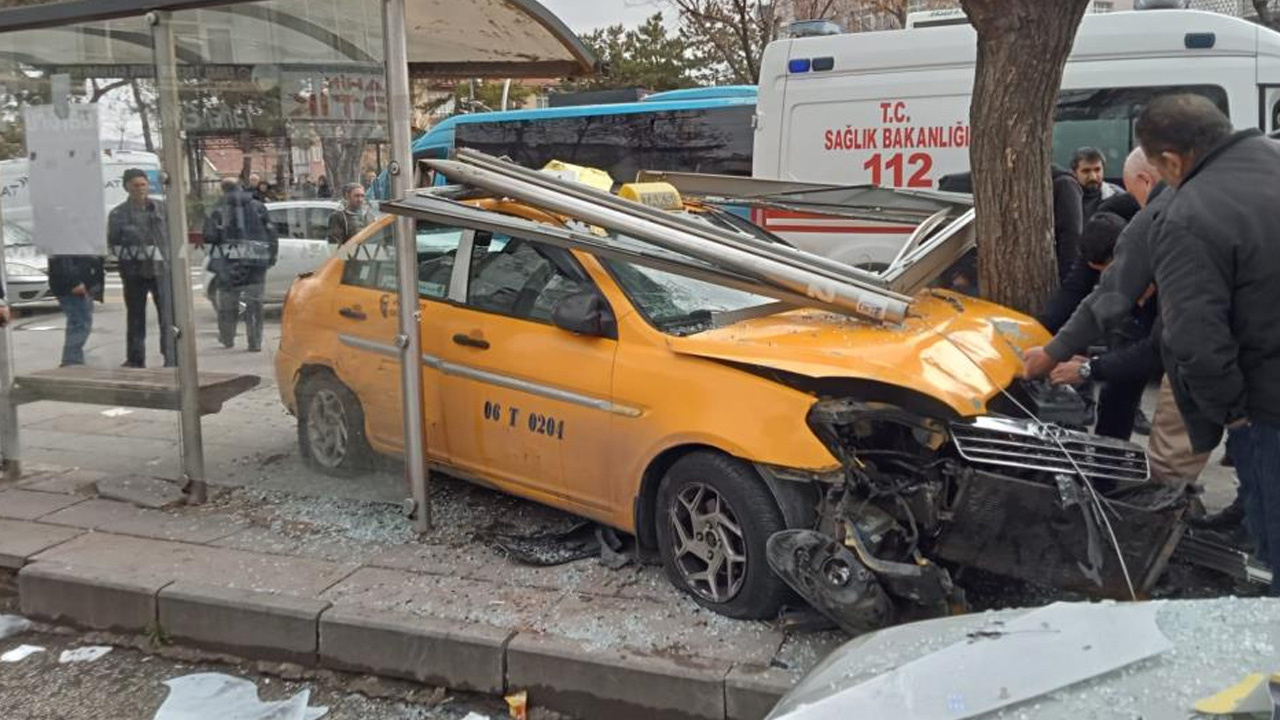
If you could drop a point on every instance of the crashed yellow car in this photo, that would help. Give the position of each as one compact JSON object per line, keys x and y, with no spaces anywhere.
{"x":765,"y":420}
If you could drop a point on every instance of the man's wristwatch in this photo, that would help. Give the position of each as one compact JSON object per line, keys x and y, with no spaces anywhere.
{"x":1086,"y":369}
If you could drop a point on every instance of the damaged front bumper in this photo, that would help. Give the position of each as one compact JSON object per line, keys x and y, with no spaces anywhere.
{"x":923,"y":498}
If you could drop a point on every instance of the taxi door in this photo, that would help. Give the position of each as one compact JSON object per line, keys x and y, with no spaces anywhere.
{"x":526,"y":404}
{"x":367,"y":359}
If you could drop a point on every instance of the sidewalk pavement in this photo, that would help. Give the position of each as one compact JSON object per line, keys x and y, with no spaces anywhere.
{"x":342,"y":584}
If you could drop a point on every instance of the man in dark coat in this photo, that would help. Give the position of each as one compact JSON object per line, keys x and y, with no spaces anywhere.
{"x":137,"y":236}
{"x":1217,"y":260}
{"x":76,"y":280}
{"x":242,"y":245}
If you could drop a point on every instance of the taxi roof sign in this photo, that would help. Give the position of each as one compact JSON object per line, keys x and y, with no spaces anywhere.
{"x":657,"y":195}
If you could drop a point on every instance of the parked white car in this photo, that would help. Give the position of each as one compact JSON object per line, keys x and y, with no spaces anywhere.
{"x":302,"y":226}
{"x":26,"y":268}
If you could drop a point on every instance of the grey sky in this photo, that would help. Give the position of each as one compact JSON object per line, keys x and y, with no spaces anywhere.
{"x":584,"y":15}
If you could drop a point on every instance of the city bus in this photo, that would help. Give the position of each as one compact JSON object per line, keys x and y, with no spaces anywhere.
{"x":704,"y":130}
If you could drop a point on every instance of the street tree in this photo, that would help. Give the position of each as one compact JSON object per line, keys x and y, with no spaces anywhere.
{"x":1022,"y":49}
{"x":647,"y":57}
{"x":728,"y":36}
{"x":486,"y":95}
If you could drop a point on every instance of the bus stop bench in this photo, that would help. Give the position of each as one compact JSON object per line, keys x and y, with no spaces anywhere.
{"x":155,"y":388}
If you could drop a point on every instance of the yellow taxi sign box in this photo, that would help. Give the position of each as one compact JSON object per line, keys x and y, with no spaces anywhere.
{"x":591,"y":177}
{"x":657,"y":195}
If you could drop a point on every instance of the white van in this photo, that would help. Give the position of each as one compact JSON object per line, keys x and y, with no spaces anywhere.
{"x":892,"y":108}
{"x":17,"y":201}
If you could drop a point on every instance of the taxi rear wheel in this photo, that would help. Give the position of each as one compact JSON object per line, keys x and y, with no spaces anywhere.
{"x":331,"y":427}
{"x":714,"y":517}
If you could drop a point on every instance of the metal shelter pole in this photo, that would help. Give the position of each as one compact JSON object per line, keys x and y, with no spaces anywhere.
{"x":402,"y":180}
{"x":179,"y":254}
{"x":10,"y":447}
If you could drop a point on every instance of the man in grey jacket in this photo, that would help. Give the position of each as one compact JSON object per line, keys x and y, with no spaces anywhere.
{"x":1217,"y":263}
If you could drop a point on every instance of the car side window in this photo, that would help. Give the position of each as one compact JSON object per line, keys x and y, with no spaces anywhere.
{"x":279,"y":218}
{"x":521,"y":278}
{"x":372,"y":263}
{"x":318,"y":223}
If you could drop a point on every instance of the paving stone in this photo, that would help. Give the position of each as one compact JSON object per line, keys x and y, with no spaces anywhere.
{"x":675,"y":628}
{"x":146,"y":492}
{"x":114,"y":599}
{"x":71,"y":482}
{"x":22,"y":504}
{"x":20,"y":540}
{"x":122,"y":518}
{"x":751,"y":691}
{"x":444,"y":598}
{"x":200,"y":563}
{"x":566,"y":677}
{"x":461,"y":656}
{"x":259,"y":625}
{"x":433,"y":559}
{"x":261,"y":539}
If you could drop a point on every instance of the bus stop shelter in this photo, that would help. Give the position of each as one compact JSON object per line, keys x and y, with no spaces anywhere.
{"x":301,"y":53}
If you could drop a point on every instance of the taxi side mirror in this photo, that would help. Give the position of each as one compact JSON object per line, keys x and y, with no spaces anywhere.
{"x":585,"y":313}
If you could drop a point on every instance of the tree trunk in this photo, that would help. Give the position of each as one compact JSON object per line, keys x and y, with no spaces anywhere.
{"x":1022,"y":48}
{"x":342,"y":147}
{"x":143,"y":116}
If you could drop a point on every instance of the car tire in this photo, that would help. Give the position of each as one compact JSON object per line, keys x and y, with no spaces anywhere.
{"x":331,"y":432}
{"x":702,"y":499}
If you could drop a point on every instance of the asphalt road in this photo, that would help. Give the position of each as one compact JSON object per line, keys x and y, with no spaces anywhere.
{"x":129,"y":685}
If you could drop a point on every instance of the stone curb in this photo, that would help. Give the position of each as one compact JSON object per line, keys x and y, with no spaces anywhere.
{"x":566,"y":676}
{"x":559,"y":674}
{"x":750,"y":691}
{"x":242,"y":622}
{"x":89,"y":598}
{"x":463,"y":656}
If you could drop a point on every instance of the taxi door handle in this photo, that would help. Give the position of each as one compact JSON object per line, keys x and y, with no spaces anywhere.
{"x":467,"y":340}
{"x":353,"y":313}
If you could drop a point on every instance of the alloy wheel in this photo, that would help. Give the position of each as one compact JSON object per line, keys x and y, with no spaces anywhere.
{"x":708,"y":543}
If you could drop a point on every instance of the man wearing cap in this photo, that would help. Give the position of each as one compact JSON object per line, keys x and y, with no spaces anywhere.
{"x":137,"y":237}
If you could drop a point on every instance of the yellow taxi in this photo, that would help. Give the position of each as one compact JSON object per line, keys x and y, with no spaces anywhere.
{"x":584,"y":368}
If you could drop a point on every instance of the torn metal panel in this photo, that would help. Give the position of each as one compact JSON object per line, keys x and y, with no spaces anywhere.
{"x":944,"y":221}
{"x":774,"y":251}
{"x":812,"y":285}
{"x":996,"y":666}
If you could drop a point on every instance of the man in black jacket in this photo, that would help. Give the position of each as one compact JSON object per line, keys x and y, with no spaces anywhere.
{"x":136,"y":236}
{"x":242,"y":245}
{"x":76,"y":280}
{"x":1217,"y":263}
{"x":1067,"y":224}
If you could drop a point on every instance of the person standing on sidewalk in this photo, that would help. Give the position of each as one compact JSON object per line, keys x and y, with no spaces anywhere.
{"x":352,"y":217}
{"x":76,"y":280}
{"x":1217,"y":264}
{"x":242,"y":245}
{"x":136,"y":237}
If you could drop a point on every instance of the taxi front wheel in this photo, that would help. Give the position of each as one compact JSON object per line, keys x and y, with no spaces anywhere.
{"x":715,"y":516}
{"x":331,"y":427}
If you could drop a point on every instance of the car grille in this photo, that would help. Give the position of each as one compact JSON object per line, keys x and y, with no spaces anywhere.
{"x":1003,"y":442}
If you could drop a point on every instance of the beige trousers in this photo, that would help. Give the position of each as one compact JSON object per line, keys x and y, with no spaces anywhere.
{"x":1173,"y":462}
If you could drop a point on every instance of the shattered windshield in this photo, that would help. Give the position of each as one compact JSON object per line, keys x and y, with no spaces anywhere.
{"x":677,"y":304}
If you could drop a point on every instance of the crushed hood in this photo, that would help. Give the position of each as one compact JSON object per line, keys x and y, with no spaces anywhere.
{"x":952,"y":348}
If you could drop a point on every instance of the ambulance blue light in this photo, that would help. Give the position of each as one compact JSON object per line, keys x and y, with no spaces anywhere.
{"x":799,"y":65}
{"x":1200,"y":41}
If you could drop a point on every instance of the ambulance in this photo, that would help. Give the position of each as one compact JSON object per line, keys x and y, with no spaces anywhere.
{"x":892,"y":108}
